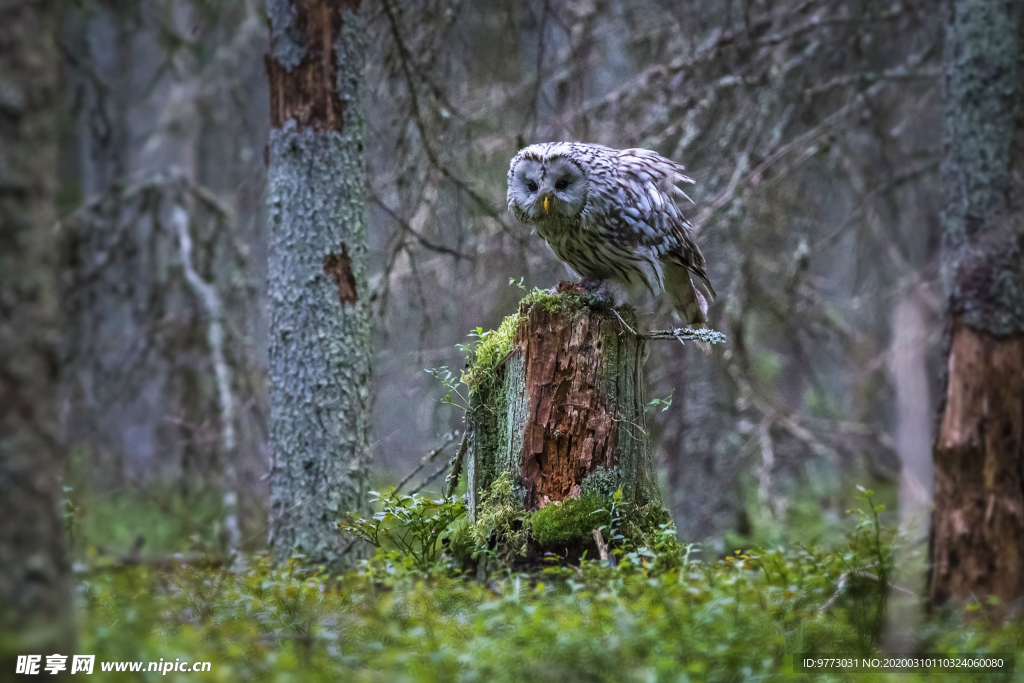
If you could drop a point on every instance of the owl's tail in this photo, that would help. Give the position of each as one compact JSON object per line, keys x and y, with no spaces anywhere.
{"x":686,"y":298}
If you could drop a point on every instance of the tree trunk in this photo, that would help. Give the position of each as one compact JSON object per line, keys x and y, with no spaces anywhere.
{"x":977,"y":542}
{"x":563,"y":410}
{"x":34,"y":591}
{"x":320,"y":324}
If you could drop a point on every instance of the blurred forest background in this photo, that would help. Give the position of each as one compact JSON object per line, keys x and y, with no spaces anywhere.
{"x":812,"y":128}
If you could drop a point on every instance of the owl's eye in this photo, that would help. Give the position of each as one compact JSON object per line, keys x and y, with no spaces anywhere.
{"x":561,"y":184}
{"x":531,"y":186}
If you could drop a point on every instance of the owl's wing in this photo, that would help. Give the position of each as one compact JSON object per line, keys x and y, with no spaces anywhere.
{"x":647,"y":188}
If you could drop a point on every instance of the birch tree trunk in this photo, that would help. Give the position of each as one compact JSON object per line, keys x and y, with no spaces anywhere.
{"x":908,"y":369}
{"x":977,"y":542}
{"x":34,"y":591}
{"x":564,"y":410}
{"x":914,"y":413}
{"x":320,"y":325}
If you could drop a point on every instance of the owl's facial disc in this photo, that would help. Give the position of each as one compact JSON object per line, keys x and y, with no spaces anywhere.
{"x":549,"y":187}
{"x":563,"y":189}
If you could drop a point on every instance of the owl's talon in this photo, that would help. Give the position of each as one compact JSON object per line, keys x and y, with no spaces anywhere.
{"x":599,"y":292}
{"x":565,"y":286}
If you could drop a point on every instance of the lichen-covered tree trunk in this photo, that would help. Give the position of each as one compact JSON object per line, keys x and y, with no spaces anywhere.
{"x":563,"y":409}
{"x":320,"y":326}
{"x":977,"y":536}
{"x":35,"y":600}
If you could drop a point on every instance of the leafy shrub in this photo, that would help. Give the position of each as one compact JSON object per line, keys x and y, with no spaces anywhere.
{"x":411,"y":525}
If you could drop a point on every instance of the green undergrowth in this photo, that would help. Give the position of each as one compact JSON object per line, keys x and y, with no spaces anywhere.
{"x":433,"y":535}
{"x":737,"y":618}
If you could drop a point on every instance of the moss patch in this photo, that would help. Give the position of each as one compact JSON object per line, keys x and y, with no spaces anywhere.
{"x":600,"y":482}
{"x":567,"y":299}
{"x":570,"y":522}
{"x":484,"y":355}
{"x":501,"y":520}
{"x":647,"y":526}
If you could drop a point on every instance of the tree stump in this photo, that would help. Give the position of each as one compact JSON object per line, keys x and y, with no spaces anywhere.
{"x":557,"y":402}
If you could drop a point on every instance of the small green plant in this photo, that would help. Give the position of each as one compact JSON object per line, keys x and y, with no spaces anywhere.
{"x":411,"y":525}
{"x":869,"y":565}
{"x":664,"y":403}
{"x":612,"y":530}
{"x":453,"y":394}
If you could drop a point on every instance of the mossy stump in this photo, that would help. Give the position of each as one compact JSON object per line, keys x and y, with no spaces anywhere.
{"x":557,"y":402}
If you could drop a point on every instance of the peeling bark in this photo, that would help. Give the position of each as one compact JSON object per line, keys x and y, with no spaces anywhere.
{"x":303,"y":68}
{"x":570,"y":403}
{"x":339,"y":268}
{"x":978,"y":526}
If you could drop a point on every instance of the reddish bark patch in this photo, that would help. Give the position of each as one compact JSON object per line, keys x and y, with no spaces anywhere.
{"x":571,"y":429}
{"x":977,"y":545}
{"x":339,"y":268}
{"x":309,"y":92}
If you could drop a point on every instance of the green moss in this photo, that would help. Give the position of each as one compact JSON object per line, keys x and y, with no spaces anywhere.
{"x":483,"y":356}
{"x":651,"y":526}
{"x":501,"y":520}
{"x":600,"y":482}
{"x":568,"y":301}
{"x":461,"y":542}
{"x":570,"y":522}
{"x":553,"y":302}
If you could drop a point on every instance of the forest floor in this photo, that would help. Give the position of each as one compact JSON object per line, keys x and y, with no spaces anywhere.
{"x":658,"y":614}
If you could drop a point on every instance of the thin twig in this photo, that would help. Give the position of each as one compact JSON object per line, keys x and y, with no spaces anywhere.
{"x":624,"y":323}
{"x":431,"y":477}
{"x":456,"y":467}
{"x":427,"y":459}
{"x":835,"y":596}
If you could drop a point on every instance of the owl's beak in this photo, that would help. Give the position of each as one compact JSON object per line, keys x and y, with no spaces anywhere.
{"x":547,"y":203}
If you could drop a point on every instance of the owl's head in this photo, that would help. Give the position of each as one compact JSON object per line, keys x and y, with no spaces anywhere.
{"x":545,"y":181}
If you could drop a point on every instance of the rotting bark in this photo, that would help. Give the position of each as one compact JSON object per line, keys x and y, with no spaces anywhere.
{"x":565,"y":408}
{"x":978,"y":532}
{"x":977,"y":536}
{"x":35,"y":595}
{"x":303,"y":68}
{"x":320,"y":323}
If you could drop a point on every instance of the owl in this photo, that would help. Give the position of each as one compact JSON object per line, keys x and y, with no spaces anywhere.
{"x":611,"y":214}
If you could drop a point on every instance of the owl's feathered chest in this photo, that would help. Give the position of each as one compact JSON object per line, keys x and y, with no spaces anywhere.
{"x":586,"y":248}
